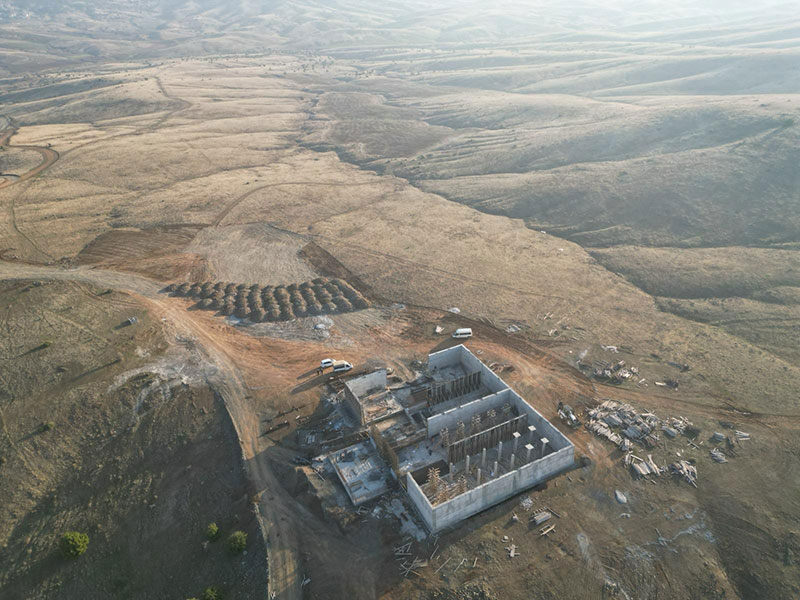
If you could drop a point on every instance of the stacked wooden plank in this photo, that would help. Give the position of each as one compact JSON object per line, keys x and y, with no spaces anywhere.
{"x":685,"y":470}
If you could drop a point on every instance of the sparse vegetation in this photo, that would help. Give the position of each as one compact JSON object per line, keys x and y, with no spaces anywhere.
{"x":73,"y":544}
{"x":237,"y":542}
{"x":211,"y":593}
{"x":46,"y":426}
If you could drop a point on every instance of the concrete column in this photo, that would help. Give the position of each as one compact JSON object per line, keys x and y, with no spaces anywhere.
{"x":516,"y":437}
{"x":528,"y":450}
{"x":451,"y":472}
{"x":500,"y":450}
{"x":483,"y":459}
{"x":545,"y":441}
{"x":466,"y":467}
{"x":478,"y":477}
{"x":531,"y":433}
{"x":495,"y":471}
{"x":512,"y":461}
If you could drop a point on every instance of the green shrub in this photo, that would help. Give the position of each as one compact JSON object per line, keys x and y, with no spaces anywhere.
{"x":46,"y":426}
{"x":73,"y":544}
{"x":212,"y":531}
{"x":237,"y":542}
{"x":211,"y":593}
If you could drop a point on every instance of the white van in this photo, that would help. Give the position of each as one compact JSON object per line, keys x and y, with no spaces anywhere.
{"x":462,"y":333}
{"x":340,"y":366}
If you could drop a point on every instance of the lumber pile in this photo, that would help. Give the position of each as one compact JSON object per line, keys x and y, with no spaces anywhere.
{"x":686,"y":470}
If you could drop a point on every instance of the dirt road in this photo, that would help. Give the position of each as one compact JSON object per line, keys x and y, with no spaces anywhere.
{"x":228,"y":383}
{"x":49,"y":157}
{"x":236,"y":202}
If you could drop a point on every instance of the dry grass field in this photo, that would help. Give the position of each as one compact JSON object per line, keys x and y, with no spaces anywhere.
{"x":624,"y":177}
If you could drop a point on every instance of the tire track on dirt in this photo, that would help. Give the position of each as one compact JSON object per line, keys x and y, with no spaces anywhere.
{"x":236,"y":202}
{"x":12,"y":210}
{"x":149,"y":127}
{"x":49,"y":157}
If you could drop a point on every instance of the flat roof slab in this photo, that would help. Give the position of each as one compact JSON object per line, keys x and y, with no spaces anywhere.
{"x":362,"y":471}
{"x":417,"y":456}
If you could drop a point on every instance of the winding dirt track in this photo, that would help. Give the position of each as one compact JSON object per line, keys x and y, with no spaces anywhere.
{"x":49,"y":157}
{"x":226,"y":211}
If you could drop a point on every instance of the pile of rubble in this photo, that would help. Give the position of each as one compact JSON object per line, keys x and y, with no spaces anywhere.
{"x":633,"y":426}
{"x":616,"y":373}
{"x":678,"y":425}
{"x":622,"y":425}
{"x":686,"y":470}
{"x":646,"y":469}
{"x":641,"y":428}
{"x":718,"y":456}
{"x":602,"y":430}
{"x":641,"y":467}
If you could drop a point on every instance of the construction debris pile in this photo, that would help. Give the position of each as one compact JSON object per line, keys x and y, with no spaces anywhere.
{"x":641,"y":467}
{"x":616,"y":373}
{"x":718,"y":456}
{"x":685,"y":470}
{"x":406,"y":568}
{"x":633,"y":427}
{"x":623,"y":426}
{"x":646,"y":469}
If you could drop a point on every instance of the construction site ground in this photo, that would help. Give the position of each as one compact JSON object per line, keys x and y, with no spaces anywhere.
{"x":597,"y":542}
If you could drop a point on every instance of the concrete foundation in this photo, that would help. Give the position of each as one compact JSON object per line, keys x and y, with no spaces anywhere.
{"x":488,"y":494}
{"x":546,"y":450}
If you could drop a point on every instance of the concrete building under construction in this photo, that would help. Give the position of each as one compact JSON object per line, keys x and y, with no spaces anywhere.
{"x":459,"y":440}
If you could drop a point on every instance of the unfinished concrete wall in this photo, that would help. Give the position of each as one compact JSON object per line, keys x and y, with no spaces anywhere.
{"x":490,"y":379}
{"x":470,"y":363}
{"x":365,"y":384}
{"x":496,"y":490}
{"x":445,"y":391}
{"x":354,"y":407}
{"x":354,"y":388}
{"x":420,"y":502}
{"x":464,"y":412}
